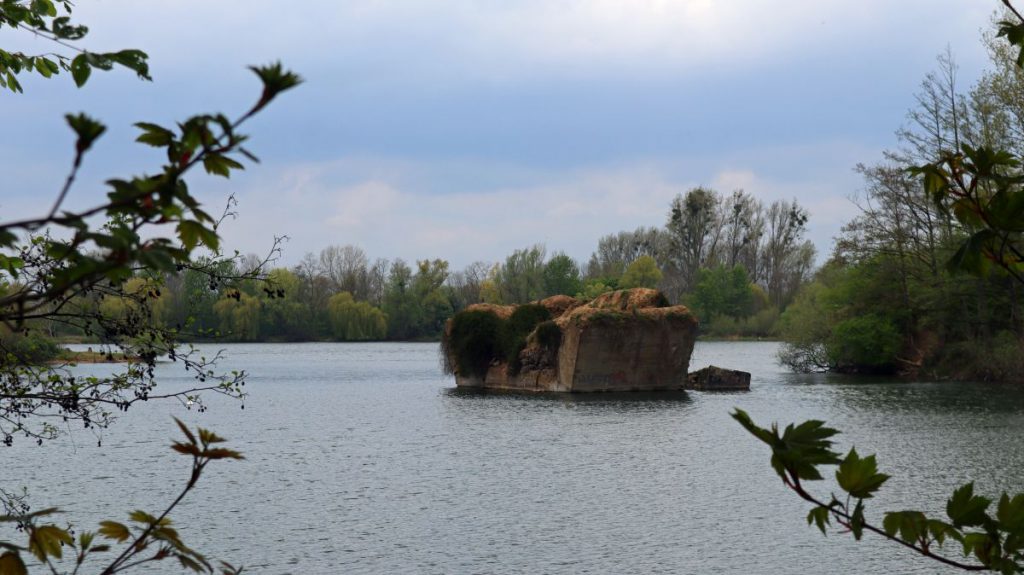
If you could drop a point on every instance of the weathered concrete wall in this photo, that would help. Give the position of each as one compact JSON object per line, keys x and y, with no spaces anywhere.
{"x":527,"y":381}
{"x":622,"y":341}
{"x":645,"y":349}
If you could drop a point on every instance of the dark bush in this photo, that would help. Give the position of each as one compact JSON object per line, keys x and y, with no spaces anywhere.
{"x":662,"y":301}
{"x":472,"y":342}
{"x":31,"y":349}
{"x":865,"y":344}
{"x":549,"y":335}
{"x":514,"y":331}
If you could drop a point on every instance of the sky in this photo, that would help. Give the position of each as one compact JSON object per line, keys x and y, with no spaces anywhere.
{"x":466,"y":129}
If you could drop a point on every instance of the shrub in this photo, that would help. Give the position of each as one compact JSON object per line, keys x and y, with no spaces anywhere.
{"x":31,"y":349}
{"x":478,"y":337}
{"x":472,"y":342}
{"x":867,"y":343}
{"x":999,"y":358}
{"x":549,"y":335}
{"x":514,"y":331}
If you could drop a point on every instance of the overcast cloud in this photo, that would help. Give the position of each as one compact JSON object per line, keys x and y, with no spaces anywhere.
{"x":465,"y":129}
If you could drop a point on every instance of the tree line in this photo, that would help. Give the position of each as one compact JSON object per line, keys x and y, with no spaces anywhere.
{"x":893,"y":296}
{"x":731,"y":258}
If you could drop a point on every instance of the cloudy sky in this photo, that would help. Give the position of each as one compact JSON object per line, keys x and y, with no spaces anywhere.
{"x":464,"y":129}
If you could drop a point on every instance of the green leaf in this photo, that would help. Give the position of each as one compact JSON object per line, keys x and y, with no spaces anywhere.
{"x":80,"y":70}
{"x":744,"y":419}
{"x":135,"y":60}
{"x":798,"y":450}
{"x":154,"y":135}
{"x":1014,"y":33}
{"x":979,"y":544}
{"x":46,"y":540}
{"x":43,"y":69}
{"x":222,"y":453}
{"x":940,"y":530}
{"x":803,"y":447}
{"x":967,"y":510}
{"x":820,"y":517}
{"x":190,"y":563}
{"x":140,"y":516}
{"x":971,"y":256}
{"x":186,"y":448}
{"x":192,"y":233}
{"x":857,"y":520}
{"x":1010,"y":513}
{"x":113,"y":530}
{"x":184,"y":429}
{"x":44,"y":7}
{"x":859,"y":477}
{"x":275,"y":80}
{"x":87,"y":130}
{"x":911,"y":525}
{"x":220,"y":165}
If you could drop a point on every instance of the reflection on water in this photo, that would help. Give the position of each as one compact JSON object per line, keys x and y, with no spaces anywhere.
{"x":607,"y":399}
{"x":363,"y":458}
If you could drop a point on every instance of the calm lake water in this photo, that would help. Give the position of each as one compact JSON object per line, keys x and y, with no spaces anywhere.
{"x":362,"y":458}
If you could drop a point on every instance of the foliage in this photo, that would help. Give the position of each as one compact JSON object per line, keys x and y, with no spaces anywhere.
{"x":32,"y":348}
{"x":643,"y":272}
{"x":100,"y":272}
{"x":616,"y":251}
{"x":595,"y":287}
{"x":471,"y":343}
{"x":846,"y":321}
{"x":239,"y":316}
{"x":864,"y":343}
{"x":55,"y":269}
{"x":356,"y":321}
{"x":521,"y":277}
{"x":995,"y":358}
{"x":763,"y":324}
{"x":477,"y":338}
{"x":561,"y":276}
{"x":992,"y":537}
{"x":51,"y":19}
{"x":524,"y":319}
{"x":145,"y":539}
{"x":691,"y":227}
{"x":548,"y":335}
{"x":721,"y":291}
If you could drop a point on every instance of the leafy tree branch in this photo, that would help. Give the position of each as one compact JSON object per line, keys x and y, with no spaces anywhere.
{"x":145,"y":538}
{"x":995,"y":541}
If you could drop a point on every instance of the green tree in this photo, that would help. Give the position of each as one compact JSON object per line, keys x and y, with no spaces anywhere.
{"x":49,"y":275}
{"x":400,"y":302}
{"x":982,"y":188}
{"x":51,"y":19}
{"x":692,"y":229}
{"x":722,"y":291}
{"x":54,"y":267}
{"x":561,"y":276}
{"x":282,"y":315}
{"x":595,"y":287}
{"x":239,"y":317}
{"x":992,"y":540}
{"x":521,"y":277}
{"x":355,"y":320}
{"x":643,"y":272}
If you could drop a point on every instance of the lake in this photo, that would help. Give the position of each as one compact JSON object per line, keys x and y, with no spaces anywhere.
{"x":363,"y":458}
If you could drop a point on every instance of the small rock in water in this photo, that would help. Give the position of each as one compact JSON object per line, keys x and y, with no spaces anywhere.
{"x":714,"y":378}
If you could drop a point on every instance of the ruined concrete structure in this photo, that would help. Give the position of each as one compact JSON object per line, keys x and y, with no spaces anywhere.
{"x":628,"y":340}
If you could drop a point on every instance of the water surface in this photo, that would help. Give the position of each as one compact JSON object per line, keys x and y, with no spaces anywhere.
{"x":362,"y":458}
